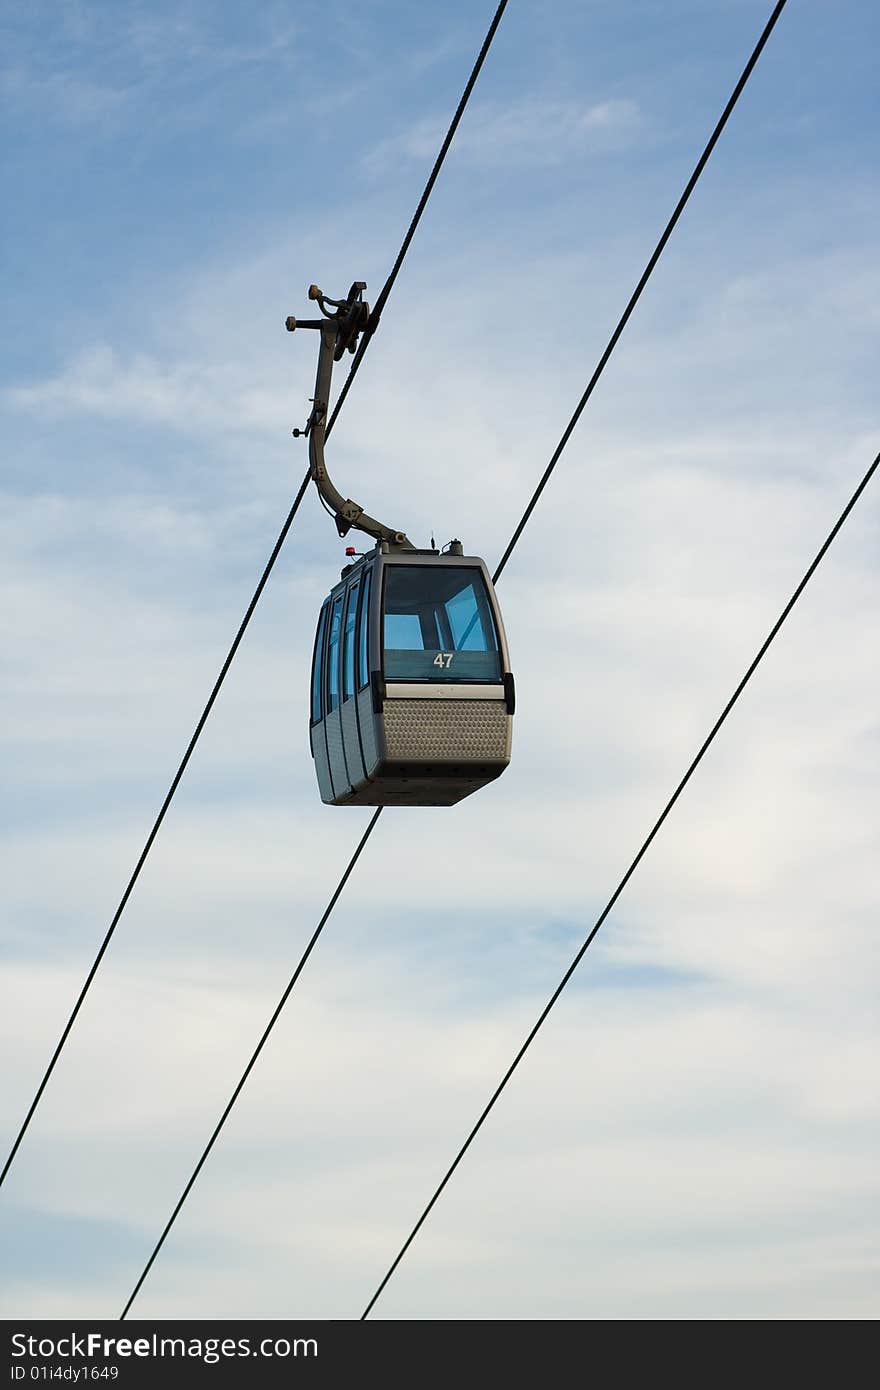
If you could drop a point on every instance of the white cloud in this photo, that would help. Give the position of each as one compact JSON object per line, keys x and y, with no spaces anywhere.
{"x":62,"y":96}
{"x":534,"y":131}
{"x":650,"y":1129}
{"x":185,"y":395}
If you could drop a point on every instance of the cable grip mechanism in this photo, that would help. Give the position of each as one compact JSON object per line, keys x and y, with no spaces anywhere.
{"x":343,"y":321}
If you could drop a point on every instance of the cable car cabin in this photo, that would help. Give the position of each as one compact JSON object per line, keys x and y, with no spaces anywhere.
{"x":412,"y":695}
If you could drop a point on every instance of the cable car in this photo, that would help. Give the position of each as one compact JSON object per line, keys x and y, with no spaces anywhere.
{"x":412,"y":696}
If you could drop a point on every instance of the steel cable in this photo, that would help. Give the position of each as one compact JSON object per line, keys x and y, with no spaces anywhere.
{"x":517,"y":533}
{"x":502,"y":563}
{"x":646,"y":843}
{"x":374,"y":319}
{"x":376,"y":310}
{"x":256,"y":1052}
{"x":157,"y":823}
{"x":373,"y":323}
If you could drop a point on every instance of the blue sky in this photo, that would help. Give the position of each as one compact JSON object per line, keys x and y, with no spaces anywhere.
{"x":694,"y":1134}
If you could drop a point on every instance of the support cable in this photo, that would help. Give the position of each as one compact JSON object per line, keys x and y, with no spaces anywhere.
{"x":376,"y":310}
{"x":645,"y":277}
{"x":524,"y":519}
{"x":518,"y":530}
{"x":704,"y":747}
{"x":123,"y":901}
{"x":379,"y":306}
{"x":250,"y":1066}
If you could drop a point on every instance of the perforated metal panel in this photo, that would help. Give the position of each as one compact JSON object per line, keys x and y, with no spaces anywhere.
{"x":322,"y":766}
{"x":368,"y":730}
{"x":353,"y":759}
{"x":338,"y":770}
{"x":430,"y":731}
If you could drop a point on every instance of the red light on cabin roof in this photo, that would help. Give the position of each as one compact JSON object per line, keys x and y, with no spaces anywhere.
{"x":350,"y":550}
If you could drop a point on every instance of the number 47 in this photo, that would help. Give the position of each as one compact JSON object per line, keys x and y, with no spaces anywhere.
{"x":443,"y":659}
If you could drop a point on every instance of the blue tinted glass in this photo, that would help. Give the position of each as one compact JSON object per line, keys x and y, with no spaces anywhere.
{"x":316,"y":666}
{"x":403,"y":630}
{"x":438,"y":625}
{"x":363,"y":647}
{"x":467,"y":622}
{"x":348,"y":650}
{"x":333,"y":656}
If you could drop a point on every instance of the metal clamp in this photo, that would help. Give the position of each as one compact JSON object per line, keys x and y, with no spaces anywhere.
{"x":343,"y":323}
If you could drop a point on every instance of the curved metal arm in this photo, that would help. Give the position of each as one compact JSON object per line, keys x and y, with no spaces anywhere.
{"x":338,"y":332}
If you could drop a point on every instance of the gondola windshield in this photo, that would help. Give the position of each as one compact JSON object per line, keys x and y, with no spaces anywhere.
{"x":439,"y":625}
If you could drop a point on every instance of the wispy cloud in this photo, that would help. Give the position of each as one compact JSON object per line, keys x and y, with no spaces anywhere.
{"x":189,"y":396}
{"x":158,"y":41}
{"x":66,"y":97}
{"x":104,"y":60}
{"x":528,"y":133}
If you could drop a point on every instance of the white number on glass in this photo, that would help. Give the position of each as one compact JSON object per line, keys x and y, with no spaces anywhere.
{"x":443,"y":659}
